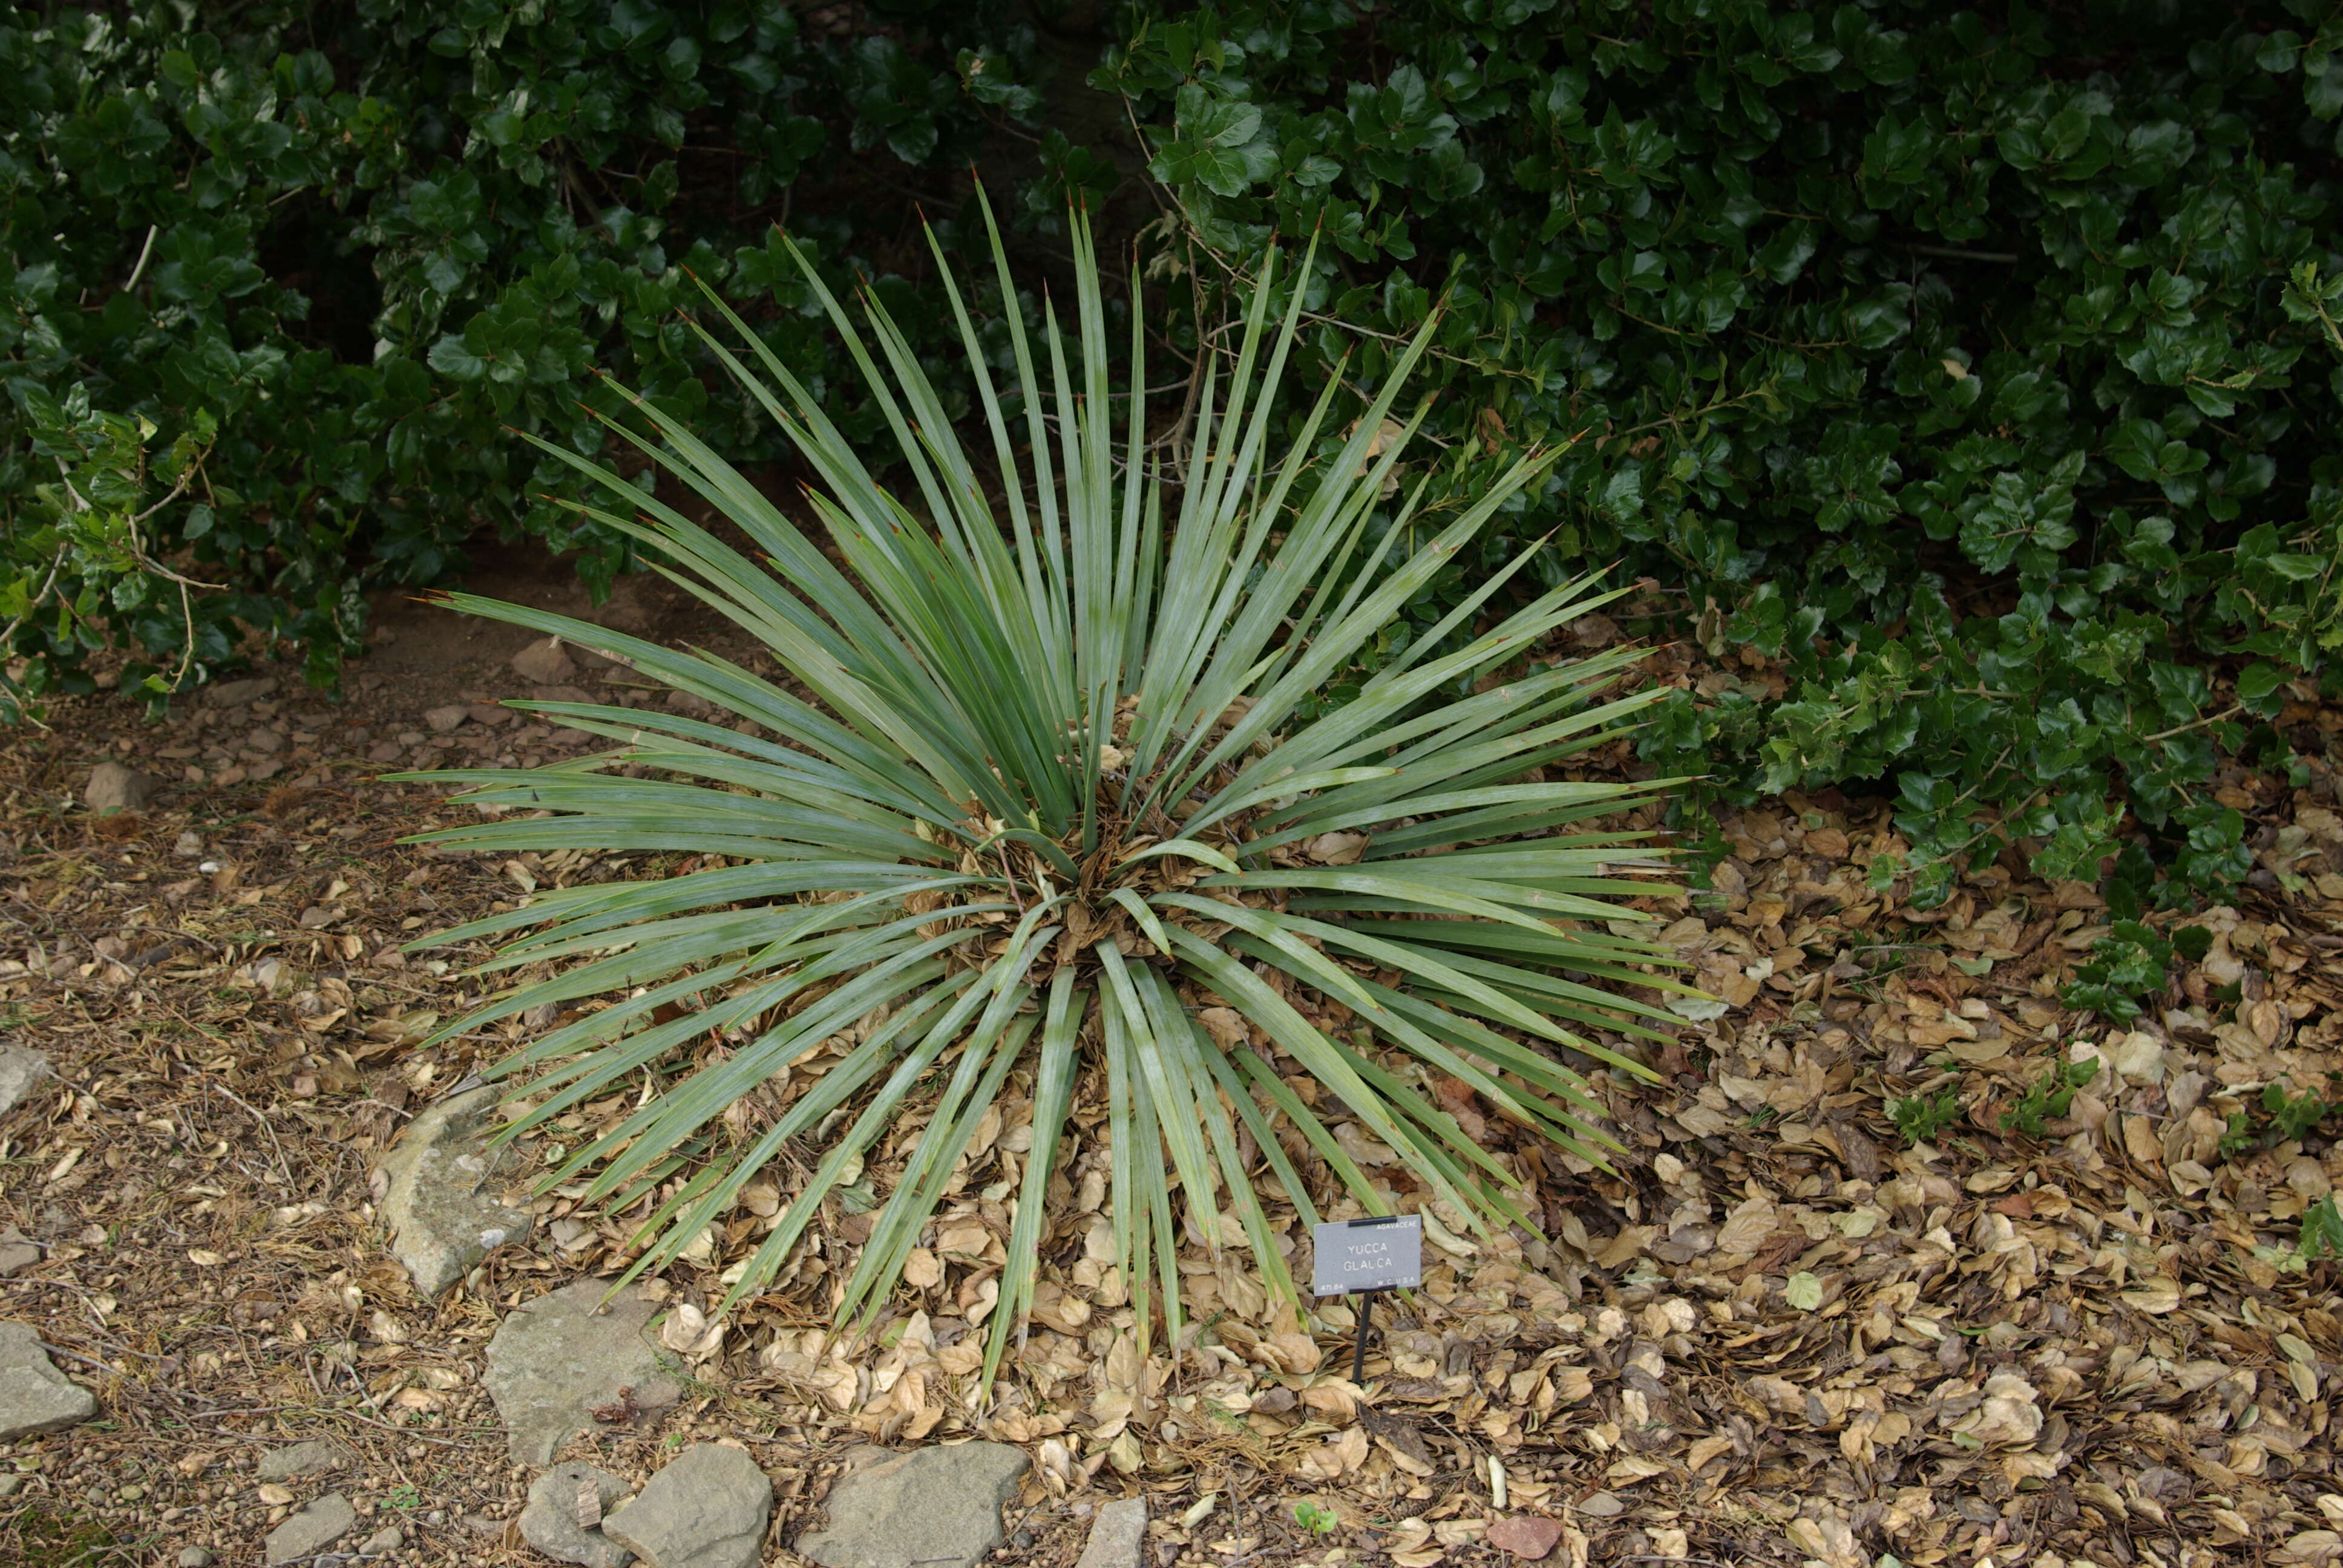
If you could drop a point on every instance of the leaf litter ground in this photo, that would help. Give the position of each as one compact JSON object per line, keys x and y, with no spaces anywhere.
{"x":1780,"y":1334}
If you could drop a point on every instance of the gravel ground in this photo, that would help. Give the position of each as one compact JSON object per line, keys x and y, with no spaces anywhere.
{"x":1782,"y":1332}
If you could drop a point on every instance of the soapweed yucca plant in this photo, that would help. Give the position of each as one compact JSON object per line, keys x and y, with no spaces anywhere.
{"x":1054,"y":782}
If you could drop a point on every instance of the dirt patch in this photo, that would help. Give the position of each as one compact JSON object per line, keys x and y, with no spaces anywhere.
{"x":1783,"y":1331}
{"x":431,"y":655}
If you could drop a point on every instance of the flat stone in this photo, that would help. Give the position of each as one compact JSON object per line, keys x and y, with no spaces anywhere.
{"x":1117,"y":1537}
{"x":441,"y":1222}
{"x":312,"y":1530}
{"x":382,"y":1542}
{"x":35,"y":1397}
{"x":195,"y":1557}
{"x":237,"y":693}
{"x":543,"y":663}
{"x":22,"y":1068}
{"x":314,"y":1457}
{"x":940,"y":1507}
{"x":113,"y":787}
{"x":16,"y":1254}
{"x":706,"y":1509}
{"x":444,"y":718}
{"x":1525,"y":1536}
{"x":555,"y":1360}
{"x":563,"y":1519}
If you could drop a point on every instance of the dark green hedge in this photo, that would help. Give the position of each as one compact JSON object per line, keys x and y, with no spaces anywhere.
{"x":267,"y":296}
{"x":1971,"y":376}
{"x":1976,"y":371}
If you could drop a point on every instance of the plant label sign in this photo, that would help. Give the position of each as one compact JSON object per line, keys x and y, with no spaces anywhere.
{"x":1385,"y":1253}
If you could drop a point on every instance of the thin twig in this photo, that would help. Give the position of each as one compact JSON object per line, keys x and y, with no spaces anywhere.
{"x":284,"y":1166}
{"x":1946,"y":253}
{"x":8,"y":632}
{"x":145,"y":251}
{"x":139,"y":550}
{"x":2234,"y":710}
{"x":85,"y":1361}
{"x":187,"y":657}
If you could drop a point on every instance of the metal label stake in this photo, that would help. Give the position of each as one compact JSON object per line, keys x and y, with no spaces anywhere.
{"x":1364,"y":1258}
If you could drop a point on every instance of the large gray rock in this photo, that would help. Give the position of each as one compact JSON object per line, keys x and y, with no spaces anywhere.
{"x":442,"y":1205}
{"x":1117,"y":1536}
{"x":936,"y":1506}
{"x":312,"y":1530}
{"x":237,"y":693}
{"x":564,"y":1515}
{"x":311,"y":1458}
{"x":17,"y":1253}
{"x":557,"y":1360}
{"x":21,"y":1071}
{"x":113,"y":787}
{"x":543,"y":663}
{"x":707,"y":1510}
{"x":35,"y":1397}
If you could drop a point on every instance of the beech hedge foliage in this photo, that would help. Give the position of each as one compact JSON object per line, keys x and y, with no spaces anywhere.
{"x":1968,"y":380}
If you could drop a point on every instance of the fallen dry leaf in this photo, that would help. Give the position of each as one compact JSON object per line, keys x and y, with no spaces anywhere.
{"x":688,"y":1332}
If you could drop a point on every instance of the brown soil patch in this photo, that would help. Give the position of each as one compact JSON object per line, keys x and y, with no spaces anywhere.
{"x":1779,"y":1335}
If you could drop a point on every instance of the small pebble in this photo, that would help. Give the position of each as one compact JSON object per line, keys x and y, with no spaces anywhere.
{"x":194,"y":1557}
{"x":382,"y":1542}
